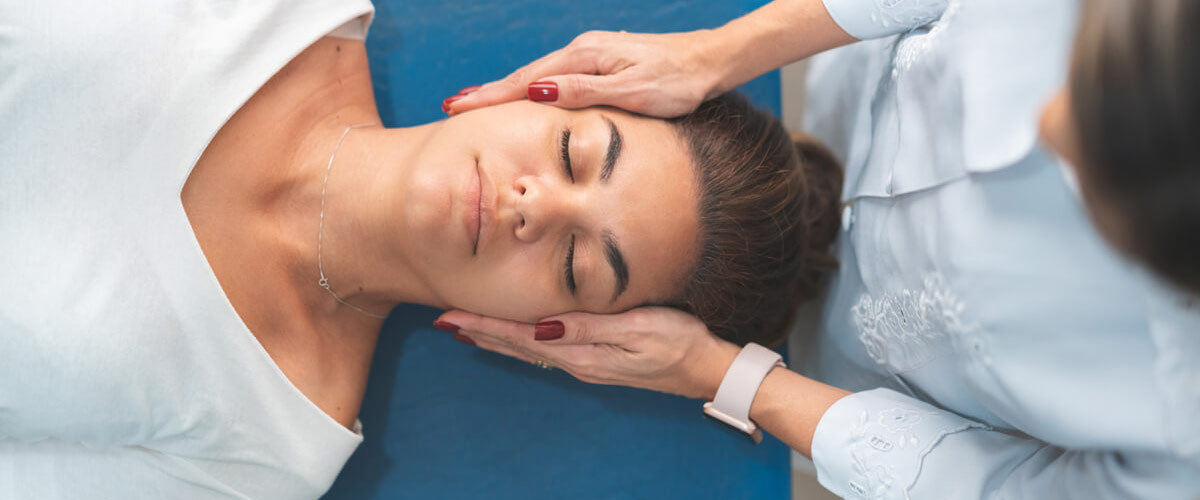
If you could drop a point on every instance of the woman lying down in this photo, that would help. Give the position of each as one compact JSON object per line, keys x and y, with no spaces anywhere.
{"x":204,"y":224}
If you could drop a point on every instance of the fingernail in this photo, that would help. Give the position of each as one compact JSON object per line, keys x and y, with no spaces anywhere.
{"x":448,"y":100}
{"x":468,"y":90}
{"x":543,"y":91}
{"x":446,"y":326}
{"x":464,"y":339}
{"x":548,"y":330}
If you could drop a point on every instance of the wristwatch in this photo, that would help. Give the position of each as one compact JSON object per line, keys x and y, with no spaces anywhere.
{"x":731,"y":406}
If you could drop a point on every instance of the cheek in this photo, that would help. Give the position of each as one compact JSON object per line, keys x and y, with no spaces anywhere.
{"x":517,"y":287}
{"x":428,"y":200}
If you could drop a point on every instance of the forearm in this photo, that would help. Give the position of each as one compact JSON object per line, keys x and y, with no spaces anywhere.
{"x":789,"y":406}
{"x":776,"y":34}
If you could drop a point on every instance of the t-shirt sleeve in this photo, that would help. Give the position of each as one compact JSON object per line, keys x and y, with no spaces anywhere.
{"x":868,"y":19}
{"x":354,"y":29}
{"x":880,"y":444}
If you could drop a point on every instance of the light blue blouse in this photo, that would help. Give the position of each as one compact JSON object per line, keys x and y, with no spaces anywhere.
{"x":1000,"y":347}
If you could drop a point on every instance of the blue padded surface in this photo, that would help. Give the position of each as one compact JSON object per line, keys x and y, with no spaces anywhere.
{"x":446,"y":421}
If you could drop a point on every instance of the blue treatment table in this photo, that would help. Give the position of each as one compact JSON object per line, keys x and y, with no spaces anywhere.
{"x":443,"y":420}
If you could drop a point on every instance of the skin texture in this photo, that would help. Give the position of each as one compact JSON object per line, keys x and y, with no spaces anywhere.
{"x":399,"y":212}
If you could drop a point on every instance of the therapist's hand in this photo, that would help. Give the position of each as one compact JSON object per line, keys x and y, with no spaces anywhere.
{"x":669,"y":74}
{"x":656,"y":348}
{"x":653,"y":74}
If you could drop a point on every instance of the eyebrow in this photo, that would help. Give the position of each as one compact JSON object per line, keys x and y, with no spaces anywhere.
{"x":613,"y":253}
{"x":614,"y":150}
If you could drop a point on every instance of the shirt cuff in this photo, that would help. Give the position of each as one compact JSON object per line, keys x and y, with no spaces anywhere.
{"x":868,"y":19}
{"x":871,"y":444}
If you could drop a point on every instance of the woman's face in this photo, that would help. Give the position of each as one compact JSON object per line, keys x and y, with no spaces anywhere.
{"x":524,"y":210}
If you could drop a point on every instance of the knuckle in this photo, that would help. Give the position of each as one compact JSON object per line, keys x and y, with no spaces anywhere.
{"x":589,"y":37}
{"x":581,"y":88}
{"x":516,"y":79}
{"x":584,"y":331}
{"x":640,"y":319}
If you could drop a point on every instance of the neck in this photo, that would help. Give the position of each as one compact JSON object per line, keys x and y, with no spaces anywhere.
{"x":361,"y":238}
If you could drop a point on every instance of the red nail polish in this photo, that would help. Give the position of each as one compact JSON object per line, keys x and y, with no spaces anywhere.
{"x":548,"y":330}
{"x":464,"y":339}
{"x":468,"y":90}
{"x":446,"y":102}
{"x":543,"y":91}
{"x":446,"y":326}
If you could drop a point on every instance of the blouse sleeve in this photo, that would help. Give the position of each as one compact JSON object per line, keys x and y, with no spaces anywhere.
{"x":880,"y":444}
{"x":868,"y":19}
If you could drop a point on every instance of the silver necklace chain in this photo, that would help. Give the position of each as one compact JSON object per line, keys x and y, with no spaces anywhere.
{"x":324,"y":282}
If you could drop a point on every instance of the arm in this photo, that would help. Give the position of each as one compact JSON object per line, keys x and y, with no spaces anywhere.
{"x":789,"y":406}
{"x":872,"y":444}
{"x":881,"y":444}
{"x":667,"y":74}
{"x":776,"y":34}
{"x":653,"y":348}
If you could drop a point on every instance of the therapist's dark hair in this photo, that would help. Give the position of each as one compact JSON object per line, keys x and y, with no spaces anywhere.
{"x":1135,"y":96}
{"x":768,"y":210}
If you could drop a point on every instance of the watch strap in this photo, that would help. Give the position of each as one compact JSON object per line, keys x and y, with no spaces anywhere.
{"x":739,"y":386}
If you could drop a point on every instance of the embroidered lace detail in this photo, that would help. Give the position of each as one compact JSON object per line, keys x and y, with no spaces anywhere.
{"x":892,"y":429}
{"x":913,"y":47}
{"x":905,"y":13}
{"x":899,"y":422}
{"x":879,"y":477}
{"x":904,"y":330}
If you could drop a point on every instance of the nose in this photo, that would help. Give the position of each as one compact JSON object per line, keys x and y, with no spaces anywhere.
{"x":541,"y":208}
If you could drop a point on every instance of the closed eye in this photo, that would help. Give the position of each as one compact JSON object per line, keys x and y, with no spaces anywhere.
{"x":569,"y":268}
{"x":566,"y":154}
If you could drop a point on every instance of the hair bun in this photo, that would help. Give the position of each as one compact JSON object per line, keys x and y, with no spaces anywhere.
{"x":823,"y":175}
{"x":823,"y":180}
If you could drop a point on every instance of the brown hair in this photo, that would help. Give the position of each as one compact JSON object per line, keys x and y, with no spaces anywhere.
{"x":1135,"y":96}
{"x":768,"y":217}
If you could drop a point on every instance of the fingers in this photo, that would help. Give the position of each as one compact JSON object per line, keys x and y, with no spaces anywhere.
{"x":518,"y":340}
{"x":515,"y":86}
{"x":511,"y":331}
{"x":500,"y":348}
{"x":575,"y":91}
{"x":592,"y":70}
{"x":585,"y":328}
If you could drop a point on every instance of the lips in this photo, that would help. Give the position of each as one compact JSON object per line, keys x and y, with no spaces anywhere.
{"x":472,"y":201}
{"x":478,"y":208}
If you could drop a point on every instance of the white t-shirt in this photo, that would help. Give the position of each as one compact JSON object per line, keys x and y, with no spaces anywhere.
{"x":124,"y":370}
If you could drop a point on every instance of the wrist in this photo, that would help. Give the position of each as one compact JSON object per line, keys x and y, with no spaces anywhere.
{"x":728,"y":70}
{"x":778,"y":33}
{"x":714,"y":368}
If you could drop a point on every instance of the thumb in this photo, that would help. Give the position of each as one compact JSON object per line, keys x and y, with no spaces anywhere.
{"x":580,"y":90}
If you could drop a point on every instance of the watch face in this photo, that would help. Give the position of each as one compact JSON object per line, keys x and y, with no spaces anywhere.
{"x":754,"y":438}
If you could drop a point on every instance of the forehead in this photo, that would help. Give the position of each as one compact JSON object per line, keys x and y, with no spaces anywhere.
{"x":651,"y":205}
